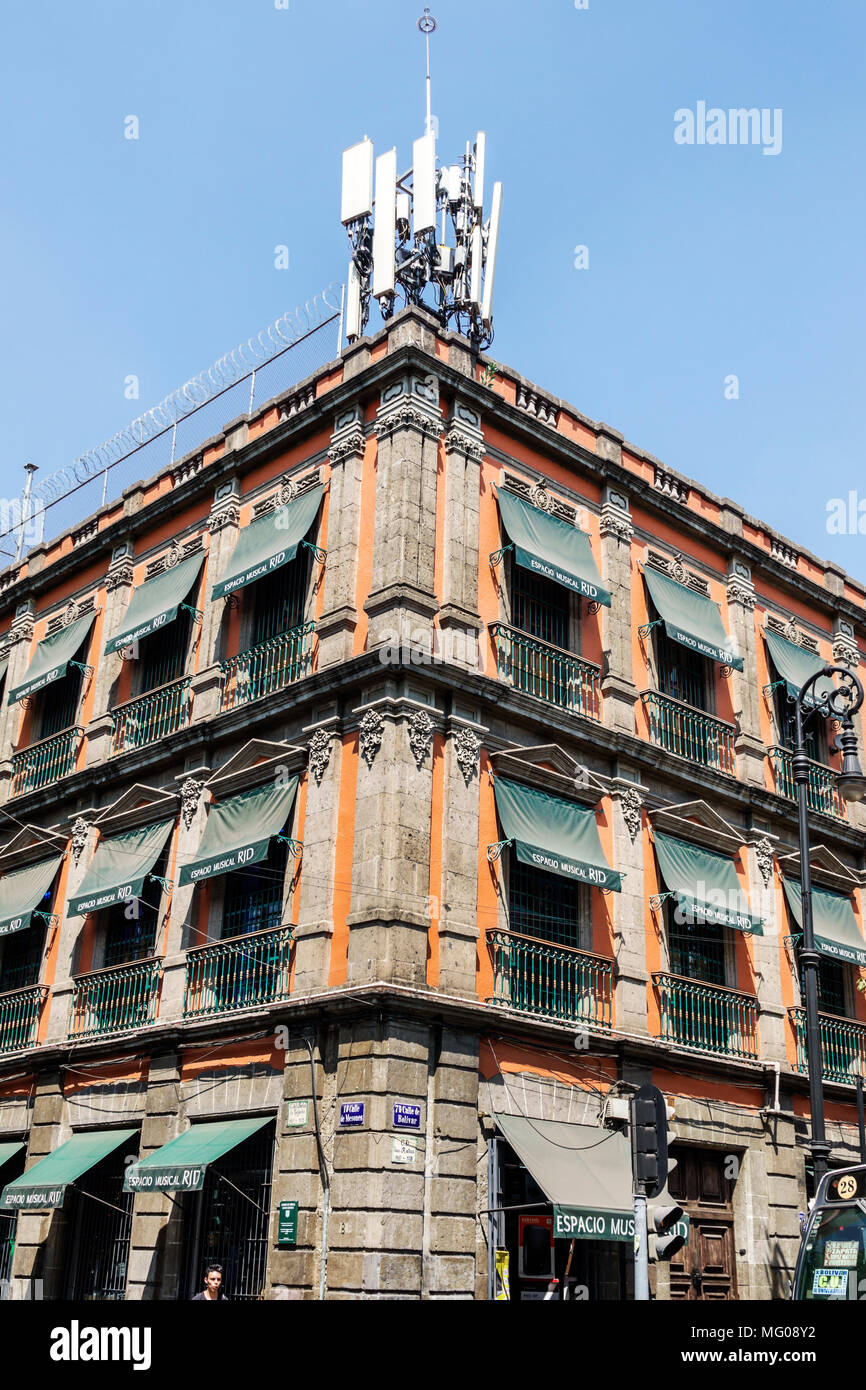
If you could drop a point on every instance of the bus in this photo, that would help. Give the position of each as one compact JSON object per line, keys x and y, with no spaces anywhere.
{"x":832,"y":1259}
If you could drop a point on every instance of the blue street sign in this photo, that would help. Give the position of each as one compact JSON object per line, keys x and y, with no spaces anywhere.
{"x":407,"y":1116}
{"x":351,"y":1113}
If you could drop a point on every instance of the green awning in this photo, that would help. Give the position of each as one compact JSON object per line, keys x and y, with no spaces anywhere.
{"x":834,"y":923}
{"x":705,"y":885}
{"x":691,"y":619}
{"x":269,"y":543}
{"x":119,"y":867}
{"x":9,"y":1150}
{"x":44,"y":1185}
{"x":583,"y":1170}
{"x":547,"y":546}
{"x":4,"y":667}
{"x":156,"y":602}
{"x":239,"y":830}
{"x":553,"y":834}
{"x":22,"y":890}
{"x":52,"y":657}
{"x":794,"y":665}
{"x":181,"y":1164}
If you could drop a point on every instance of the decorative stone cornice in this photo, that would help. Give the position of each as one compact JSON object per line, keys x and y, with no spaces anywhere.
{"x":21,"y":629}
{"x":421,"y":728}
{"x":345,"y":444}
{"x":615,"y":522}
{"x":845,"y":649}
{"x":741,"y":589}
{"x":226,"y":508}
{"x":459,"y":440}
{"x":407,"y":416}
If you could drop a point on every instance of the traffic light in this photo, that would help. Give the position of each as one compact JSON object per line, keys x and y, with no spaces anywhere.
{"x":649,"y":1140}
{"x":667,"y":1228}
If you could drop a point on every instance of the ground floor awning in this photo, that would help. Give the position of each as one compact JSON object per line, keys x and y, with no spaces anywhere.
{"x":44,"y":1185}
{"x":553,"y":834}
{"x":550,"y":547}
{"x":834,"y":922}
{"x":584,"y":1171}
{"x":181,"y":1164}
{"x":794,"y":666}
{"x":52,"y":656}
{"x":119,"y":867}
{"x":155,"y":603}
{"x":269,"y":543}
{"x":22,"y":890}
{"x":239,"y":830}
{"x":705,"y":885}
{"x":691,"y":619}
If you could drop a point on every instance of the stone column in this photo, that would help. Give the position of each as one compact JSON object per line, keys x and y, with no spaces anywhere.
{"x":391,"y":859}
{"x":315,"y":909}
{"x":617,"y":684}
{"x":223,"y":526}
{"x":83,"y":837}
{"x":748,"y":743}
{"x":181,"y":934}
{"x":458,"y":918}
{"x":459,"y":619}
{"x":18,"y":647}
{"x":339,"y":618}
{"x":765,"y":949}
{"x":629,"y":907}
{"x":156,"y":1241}
{"x":40,"y":1245}
{"x":118,"y":592}
{"x":293,"y":1273}
{"x":402,"y":599}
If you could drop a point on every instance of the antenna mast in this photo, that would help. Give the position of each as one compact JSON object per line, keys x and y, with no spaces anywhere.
{"x":427,"y":24}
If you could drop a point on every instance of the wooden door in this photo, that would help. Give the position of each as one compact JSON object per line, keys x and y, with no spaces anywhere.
{"x":705,"y":1268}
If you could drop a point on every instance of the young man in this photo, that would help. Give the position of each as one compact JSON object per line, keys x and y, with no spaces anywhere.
{"x":212,"y":1286}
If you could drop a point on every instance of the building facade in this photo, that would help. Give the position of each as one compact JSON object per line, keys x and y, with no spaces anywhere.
{"x":389,"y":788}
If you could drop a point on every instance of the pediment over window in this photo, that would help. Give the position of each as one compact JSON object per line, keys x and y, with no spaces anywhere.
{"x":698,"y":822}
{"x":255,"y":763}
{"x":139,"y":805}
{"x":33,"y":842}
{"x":552,"y":769}
{"x":827,"y":869}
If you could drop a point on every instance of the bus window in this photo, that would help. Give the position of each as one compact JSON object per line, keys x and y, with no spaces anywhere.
{"x":832,"y":1263}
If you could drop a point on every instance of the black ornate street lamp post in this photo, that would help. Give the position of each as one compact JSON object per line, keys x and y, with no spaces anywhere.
{"x":841,"y":703}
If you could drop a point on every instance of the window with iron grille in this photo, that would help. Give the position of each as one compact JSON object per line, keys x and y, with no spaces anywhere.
{"x":9,"y":1225}
{"x":227,"y":1222}
{"x":540,"y":607}
{"x":548,"y":907}
{"x":21,"y":957}
{"x":683,"y":674}
{"x":130,"y":927}
{"x":832,"y":994}
{"x":697,"y":949}
{"x":100,"y":1227}
{"x":254,"y":897}
{"x":163,"y":654}
{"x":57,"y":706}
{"x":280,"y":599}
{"x":814,"y":728}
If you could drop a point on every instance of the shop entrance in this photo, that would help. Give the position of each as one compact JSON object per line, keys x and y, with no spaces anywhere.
{"x":100,"y":1215}
{"x":227,"y":1222}
{"x":705,"y":1267}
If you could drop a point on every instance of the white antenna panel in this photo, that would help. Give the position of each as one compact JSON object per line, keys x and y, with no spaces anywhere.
{"x":475,"y":266}
{"x":357,"y":182}
{"x":492,"y":242}
{"x":478,"y":182}
{"x":354,"y":326}
{"x":385,"y":226}
{"x":424,"y":184}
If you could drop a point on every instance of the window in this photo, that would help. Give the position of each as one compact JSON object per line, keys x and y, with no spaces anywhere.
{"x":547,"y":906}
{"x":254,"y":896}
{"x":697,"y":949}
{"x":130,"y":931}
{"x":58,"y":705}
{"x":832,"y":994}
{"x":814,"y":727}
{"x":163,"y":654}
{"x":682,"y":674}
{"x":541,"y":608}
{"x":101,"y":1225}
{"x":280,"y":599}
{"x":229,"y":1219}
{"x":21,"y":957}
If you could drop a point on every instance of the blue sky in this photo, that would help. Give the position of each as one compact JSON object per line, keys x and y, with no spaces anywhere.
{"x":153,"y":257}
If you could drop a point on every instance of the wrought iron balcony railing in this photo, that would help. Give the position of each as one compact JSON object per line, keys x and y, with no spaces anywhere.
{"x":152,"y":716}
{"x":843,"y":1045}
{"x":45,"y":762}
{"x":822,"y":788}
{"x":709,"y":1017}
{"x":115,"y":999}
{"x":537,"y":668}
{"x":238,"y":974}
{"x":19,"y":1017}
{"x":266,"y":668}
{"x":551,"y":981}
{"x":689,"y":732}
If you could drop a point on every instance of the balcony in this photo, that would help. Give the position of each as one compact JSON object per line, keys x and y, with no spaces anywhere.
{"x":151,"y":717}
{"x":537,"y":668}
{"x":693,"y":1014}
{"x":45,"y":762}
{"x":115,"y":999}
{"x":551,"y":981}
{"x":843,"y":1046}
{"x":240,"y":973}
{"x":822,"y":790}
{"x":689,"y":732}
{"x":19,"y":1017}
{"x":266,"y":668}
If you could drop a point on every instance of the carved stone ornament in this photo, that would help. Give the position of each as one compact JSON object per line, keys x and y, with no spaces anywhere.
{"x":741,"y":591}
{"x":541,"y":498}
{"x":190,"y":793}
{"x":466,"y":749}
{"x":319,"y":754}
{"x":406,"y":416}
{"x":845,"y":649}
{"x":173,"y":556}
{"x":630,"y":805}
{"x":352,"y":442}
{"x":120,"y":571}
{"x":459,"y":440}
{"x":615,"y":522}
{"x":80,"y":831}
{"x":371,"y":729}
{"x":288,"y":491}
{"x":792,"y":633}
{"x":70,"y":613}
{"x":678,"y":570}
{"x":420,"y":735}
{"x":764,"y":853}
